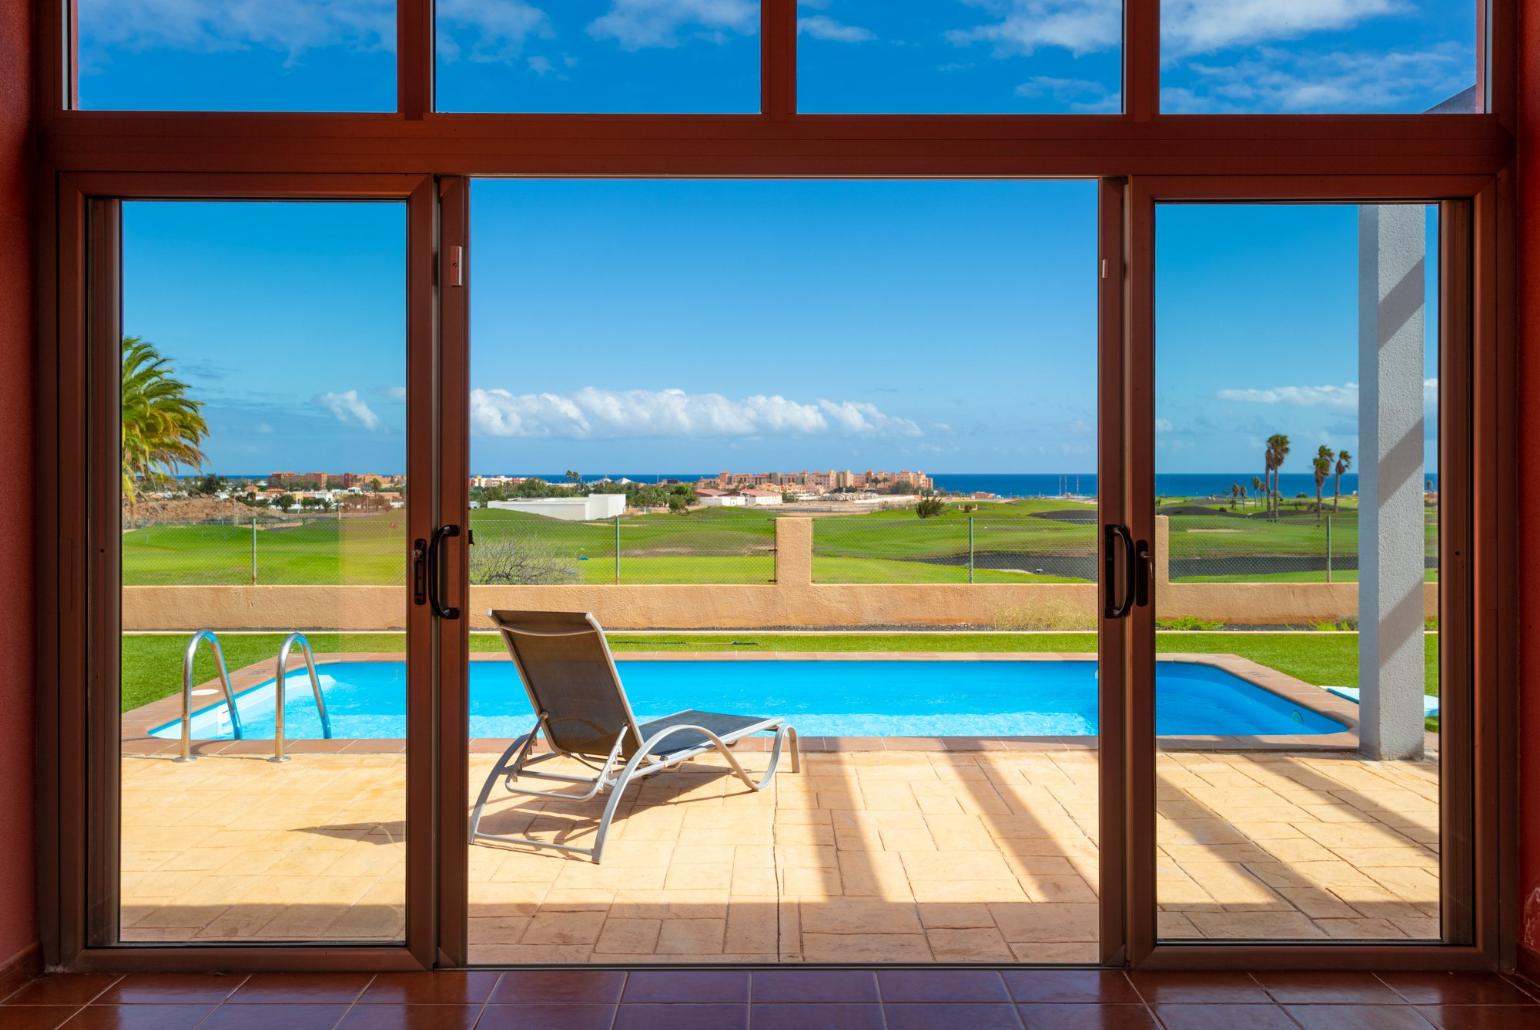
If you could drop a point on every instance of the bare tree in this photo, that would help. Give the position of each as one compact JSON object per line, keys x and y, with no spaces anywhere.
{"x":521,"y":560}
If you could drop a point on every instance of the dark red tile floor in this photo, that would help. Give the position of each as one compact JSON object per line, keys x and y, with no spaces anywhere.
{"x":784,"y":999}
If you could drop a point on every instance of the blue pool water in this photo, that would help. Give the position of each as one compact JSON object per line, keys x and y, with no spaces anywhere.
{"x":820,"y":698}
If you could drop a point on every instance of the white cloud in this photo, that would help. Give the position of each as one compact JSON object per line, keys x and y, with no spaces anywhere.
{"x":1077,"y":94}
{"x":292,"y":26}
{"x":592,"y":413}
{"x":488,"y":30}
{"x":480,"y":30}
{"x":1079,"y":26}
{"x":1342,"y":398}
{"x":397,"y":393}
{"x":1187,"y":26}
{"x":349,"y":408}
{"x":1201,"y":26}
{"x":1163,"y":425}
{"x":639,"y":24}
{"x":1282,"y":80}
{"x":821,"y":26}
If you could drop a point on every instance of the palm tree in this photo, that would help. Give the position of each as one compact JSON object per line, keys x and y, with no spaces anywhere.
{"x":1344,"y":462}
{"x":162,"y":426}
{"x":1321,"y":463}
{"x":1256,"y":486}
{"x":1277,"y":450}
{"x":1267,"y":477}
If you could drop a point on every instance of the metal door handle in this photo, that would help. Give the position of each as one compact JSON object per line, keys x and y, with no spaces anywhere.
{"x":1144,"y":573}
{"x":1112,"y":535}
{"x":419,"y":571}
{"x":435,"y":572}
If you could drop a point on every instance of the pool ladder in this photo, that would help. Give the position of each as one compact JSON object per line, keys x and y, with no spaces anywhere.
{"x":187,"y":681}
{"x":278,"y":689}
{"x":279,"y":682}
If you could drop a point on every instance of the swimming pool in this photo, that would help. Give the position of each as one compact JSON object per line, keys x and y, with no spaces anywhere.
{"x":849,"y":698}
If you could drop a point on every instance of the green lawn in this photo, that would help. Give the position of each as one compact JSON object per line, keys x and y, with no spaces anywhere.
{"x":152,"y":665}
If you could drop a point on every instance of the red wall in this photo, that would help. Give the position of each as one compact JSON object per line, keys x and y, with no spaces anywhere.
{"x":18,"y":924}
{"x":1529,"y":480}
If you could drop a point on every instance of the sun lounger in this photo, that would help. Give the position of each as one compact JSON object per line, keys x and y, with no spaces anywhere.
{"x":582,"y":711}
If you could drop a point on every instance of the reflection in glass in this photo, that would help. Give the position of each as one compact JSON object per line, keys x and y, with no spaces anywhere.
{"x":960,"y":57}
{"x":598,"y":56}
{"x":1365,"y":57}
{"x":204,"y":55}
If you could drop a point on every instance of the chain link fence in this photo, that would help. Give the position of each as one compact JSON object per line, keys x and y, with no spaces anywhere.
{"x":1053,"y":545}
{"x":957,"y":546}
{"x":1206,"y":544}
{"x":510,"y":548}
{"x":1298,"y":545}
{"x":514,"y":547}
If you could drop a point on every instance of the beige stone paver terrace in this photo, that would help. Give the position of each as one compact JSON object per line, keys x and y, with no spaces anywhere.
{"x":870,"y":856}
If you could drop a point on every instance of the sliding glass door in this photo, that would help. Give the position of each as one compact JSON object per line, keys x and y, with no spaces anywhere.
{"x":819,"y":453}
{"x":255,"y":400}
{"x":1298,"y":555}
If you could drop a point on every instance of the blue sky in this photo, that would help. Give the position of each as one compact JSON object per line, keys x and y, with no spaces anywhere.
{"x":654,"y":326}
{"x":636,"y":326}
{"x":288,"y":320}
{"x":1256,"y":332}
{"x":905,"y":56}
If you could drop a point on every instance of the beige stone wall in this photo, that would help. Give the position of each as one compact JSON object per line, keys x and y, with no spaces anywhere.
{"x":794,"y":600}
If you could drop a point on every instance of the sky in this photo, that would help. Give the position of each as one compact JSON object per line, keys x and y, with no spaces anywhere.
{"x":634,"y":327}
{"x":652,"y":326}
{"x":702,"y":56}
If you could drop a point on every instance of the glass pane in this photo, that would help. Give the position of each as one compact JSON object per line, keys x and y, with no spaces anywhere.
{"x":202,"y":55}
{"x":770,"y":458}
{"x":599,"y":56}
{"x":263,"y":455}
{"x":1325,"y":57}
{"x":960,"y":57}
{"x":1296,"y":549}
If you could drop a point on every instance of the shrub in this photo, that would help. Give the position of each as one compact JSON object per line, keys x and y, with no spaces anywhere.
{"x":518,"y":561}
{"x":930,"y":507}
{"x":1188,"y":623}
{"x":1044,"y":615}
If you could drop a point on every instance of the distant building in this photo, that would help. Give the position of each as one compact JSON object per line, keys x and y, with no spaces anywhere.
{"x":584,"y":508}
{"x":820,"y":482}
{"x":292,"y":481}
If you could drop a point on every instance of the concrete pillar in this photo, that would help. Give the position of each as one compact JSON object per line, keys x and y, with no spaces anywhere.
{"x":794,"y":551}
{"x":1392,"y":248}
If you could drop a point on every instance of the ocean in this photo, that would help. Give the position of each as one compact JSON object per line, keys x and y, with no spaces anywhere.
{"x":1078,"y":484}
{"x":1037,"y":484}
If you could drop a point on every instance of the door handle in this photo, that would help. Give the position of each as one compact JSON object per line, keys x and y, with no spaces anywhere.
{"x":419,"y":571}
{"x":1113,"y":535}
{"x":1144,"y":573}
{"x":435,"y":571}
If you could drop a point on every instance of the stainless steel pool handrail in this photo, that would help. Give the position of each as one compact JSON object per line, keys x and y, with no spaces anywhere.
{"x":278,"y":692}
{"x":187,"y":683}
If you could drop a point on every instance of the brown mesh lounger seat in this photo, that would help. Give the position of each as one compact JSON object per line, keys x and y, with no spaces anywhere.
{"x":581,"y":708}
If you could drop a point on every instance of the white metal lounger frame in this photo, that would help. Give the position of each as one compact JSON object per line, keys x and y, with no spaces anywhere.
{"x":516,"y":760}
